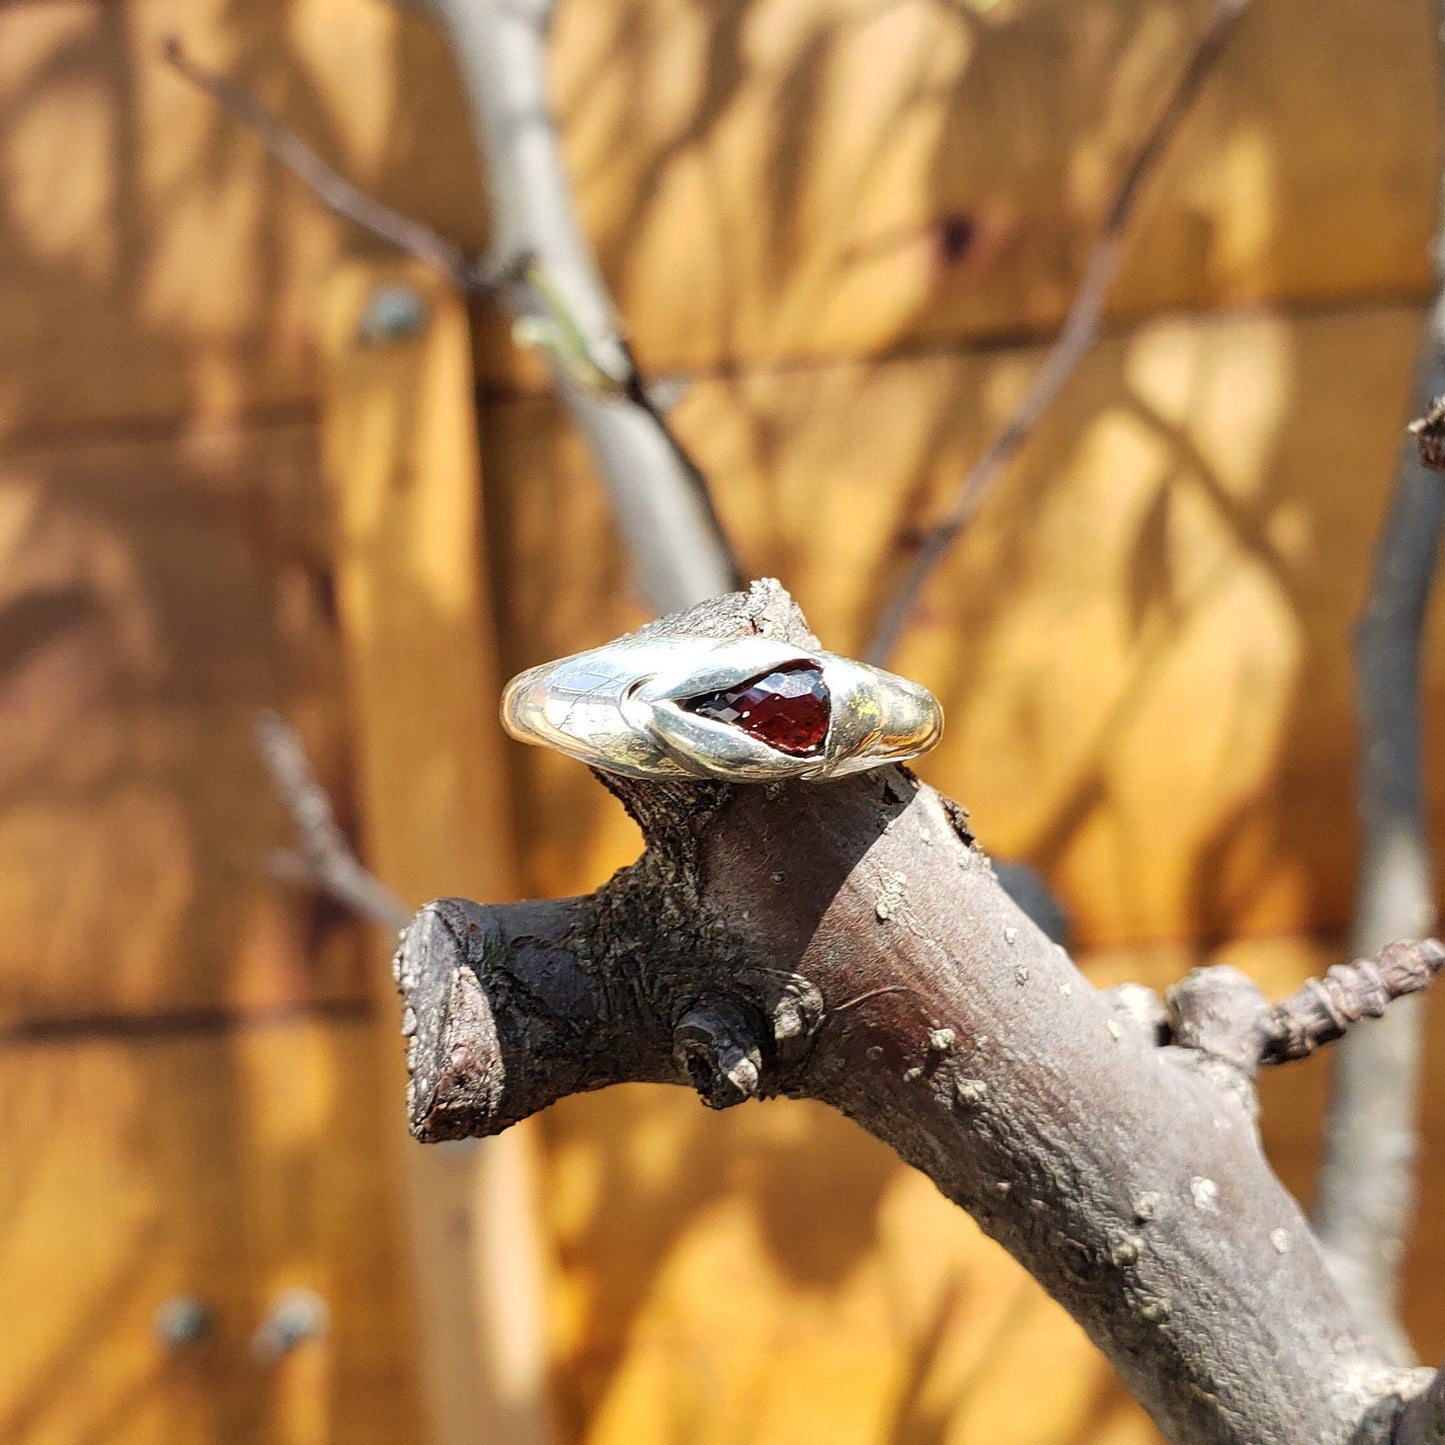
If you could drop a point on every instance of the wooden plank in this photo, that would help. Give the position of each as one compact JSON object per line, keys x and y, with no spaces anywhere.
{"x":400,"y":445}
{"x":874,"y":1309}
{"x":155,"y":594}
{"x":153,"y":262}
{"x":229,"y":1167}
{"x":1142,"y":647}
{"x":813,"y":179}
{"x":238,"y":1165}
{"x":785,"y":179}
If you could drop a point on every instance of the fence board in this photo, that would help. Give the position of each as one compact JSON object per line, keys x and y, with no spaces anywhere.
{"x":154,"y":594}
{"x":765,"y":180}
{"x":229,"y":1166}
{"x":400,"y":443}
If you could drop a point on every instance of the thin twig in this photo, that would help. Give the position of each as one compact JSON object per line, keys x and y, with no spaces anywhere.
{"x":1080,"y":330}
{"x":1221,"y":1012}
{"x":1325,"y":1009}
{"x":330,"y":187}
{"x":1365,"y":1194}
{"x":1365,"y":1191}
{"x":322,"y":858}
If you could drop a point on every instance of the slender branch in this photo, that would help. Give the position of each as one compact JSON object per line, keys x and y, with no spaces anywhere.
{"x":1080,"y":331}
{"x":745,"y":955}
{"x":330,"y":187}
{"x":323,"y":858}
{"x":1365,"y":1193}
{"x":659,"y":496}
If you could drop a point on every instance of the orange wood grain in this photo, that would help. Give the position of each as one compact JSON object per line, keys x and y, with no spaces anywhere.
{"x":400,"y":446}
{"x":764,"y":181}
{"x":154,"y":594}
{"x":229,"y":1165}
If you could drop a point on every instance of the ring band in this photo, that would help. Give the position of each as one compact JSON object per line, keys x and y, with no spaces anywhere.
{"x":747,"y":710}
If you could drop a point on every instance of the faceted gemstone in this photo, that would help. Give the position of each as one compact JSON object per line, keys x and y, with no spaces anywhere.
{"x":787,"y":708}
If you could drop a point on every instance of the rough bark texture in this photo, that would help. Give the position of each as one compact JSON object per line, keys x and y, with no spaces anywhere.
{"x":1423,"y":1421}
{"x":848,"y":942}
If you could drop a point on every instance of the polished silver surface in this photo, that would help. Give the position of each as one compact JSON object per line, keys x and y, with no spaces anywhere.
{"x":620,"y":708}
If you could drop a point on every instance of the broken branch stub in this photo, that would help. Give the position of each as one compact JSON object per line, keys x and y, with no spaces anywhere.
{"x":848,"y":942}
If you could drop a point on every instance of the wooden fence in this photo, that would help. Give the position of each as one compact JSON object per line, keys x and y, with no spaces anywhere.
{"x":848,"y":226}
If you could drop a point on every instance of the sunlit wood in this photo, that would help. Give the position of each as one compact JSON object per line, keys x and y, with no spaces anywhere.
{"x":399,"y":445}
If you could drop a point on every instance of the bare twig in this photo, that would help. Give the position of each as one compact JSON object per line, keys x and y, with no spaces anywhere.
{"x":1365,"y":1193}
{"x":322,"y":859}
{"x":334,"y":191}
{"x":658,"y":495}
{"x":1324,"y":1010}
{"x":1080,"y":330}
{"x":544,"y":273}
{"x":547,"y":279}
{"x":1221,"y":1012}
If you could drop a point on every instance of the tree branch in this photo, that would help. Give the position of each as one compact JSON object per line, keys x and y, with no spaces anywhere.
{"x":323,"y":858}
{"x":1221,"y":1012}
{"x":659,"y":496}
{"x":746,"y":955}
{"x":1080,"y":331}
{"x":1422,"y":1422}
{"x":543,"y":272}
{"x":329,"y":186}
{"x":1365,"y":1194}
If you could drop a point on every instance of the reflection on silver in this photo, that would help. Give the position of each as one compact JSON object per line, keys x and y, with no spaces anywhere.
{"x":621,"y":708}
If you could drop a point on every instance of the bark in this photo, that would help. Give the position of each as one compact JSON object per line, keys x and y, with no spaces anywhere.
{"x":848,"y":942}
{"x":659,"y":498}
{"x":1423,"y":1421}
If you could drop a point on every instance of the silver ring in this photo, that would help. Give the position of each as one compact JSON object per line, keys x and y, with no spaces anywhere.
{"x":748,"y":710}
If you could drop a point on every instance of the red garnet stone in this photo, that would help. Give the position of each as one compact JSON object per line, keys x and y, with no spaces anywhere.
{"x":786,"y":708}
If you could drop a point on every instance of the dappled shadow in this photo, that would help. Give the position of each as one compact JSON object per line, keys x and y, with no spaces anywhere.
{"x":133,"y":665}
{"x":164,"y":573}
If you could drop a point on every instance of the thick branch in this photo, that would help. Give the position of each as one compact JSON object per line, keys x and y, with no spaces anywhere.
{"x":1080,"y":331}
{"x":658,"y":495}
{"x":1365,"y":1196}
{"x":848,"y":942}
{"x":1422,"y":1422}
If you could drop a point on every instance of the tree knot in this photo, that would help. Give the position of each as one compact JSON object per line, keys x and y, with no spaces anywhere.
{"x":716,"y":1045}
